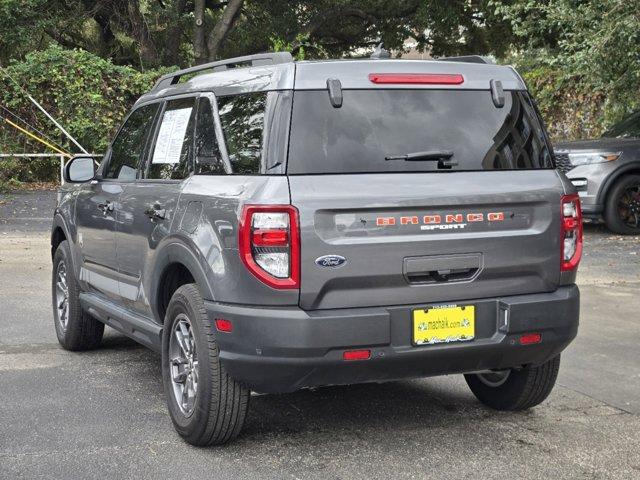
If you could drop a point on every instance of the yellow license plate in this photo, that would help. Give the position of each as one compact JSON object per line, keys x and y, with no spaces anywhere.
{"x":443,"y":324}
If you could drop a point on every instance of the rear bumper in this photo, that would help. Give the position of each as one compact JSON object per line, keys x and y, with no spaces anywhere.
{"x":277,"y":350}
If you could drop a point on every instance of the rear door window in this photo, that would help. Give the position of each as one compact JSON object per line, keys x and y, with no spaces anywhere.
{"x":373,"y":126}
{"x":208,"y":158}
{"x":173,"y":152}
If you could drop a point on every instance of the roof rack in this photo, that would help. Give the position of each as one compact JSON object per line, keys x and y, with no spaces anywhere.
{"x":250,"y":60}
{"x":468,"y":59}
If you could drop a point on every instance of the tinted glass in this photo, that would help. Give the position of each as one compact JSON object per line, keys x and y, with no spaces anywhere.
{"x":128,"y":147}
{"x":627,"y":128}
{"x":172,"y":155}
{"x":208,"y":160}
{"x":374,"y":124}
{"x":242,"y":119}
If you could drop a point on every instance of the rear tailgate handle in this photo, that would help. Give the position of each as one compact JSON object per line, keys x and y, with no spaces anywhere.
{"x":442,"y":268}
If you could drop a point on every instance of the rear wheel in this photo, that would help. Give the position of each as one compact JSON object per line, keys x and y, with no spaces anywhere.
{"x":515,"y":389}
{"x":622,"y":211}
{"x":206,"y":405}
{"x":75,"y":329}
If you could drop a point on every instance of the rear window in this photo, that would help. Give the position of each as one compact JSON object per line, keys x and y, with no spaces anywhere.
{"x":373,"y":125}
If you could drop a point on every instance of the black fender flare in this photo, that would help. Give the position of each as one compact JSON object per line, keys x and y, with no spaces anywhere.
{"x":603,"y":192}
{"x":59,"y":222}
{"x":178,"y":252}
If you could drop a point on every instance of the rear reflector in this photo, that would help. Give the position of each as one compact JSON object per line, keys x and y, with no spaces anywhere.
{"x":530,"y":338}
{"x":224,"y":325}
{"x":357,"y":355}
{"x":417,"y":78}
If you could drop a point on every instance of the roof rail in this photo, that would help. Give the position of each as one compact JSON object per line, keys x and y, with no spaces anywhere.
{"x":251,"y":60}
{"x":468,"y":59}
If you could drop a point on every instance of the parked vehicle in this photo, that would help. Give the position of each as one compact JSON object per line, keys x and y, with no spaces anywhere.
{"x":606,"y":173}
{"x":274,"y":225}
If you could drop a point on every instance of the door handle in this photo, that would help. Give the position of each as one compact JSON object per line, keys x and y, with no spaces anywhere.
{"x":155,"y":212}
{"x":105,"y":207}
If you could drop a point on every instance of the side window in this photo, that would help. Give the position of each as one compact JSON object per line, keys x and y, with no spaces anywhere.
{"x":242,"y":119}
{"x":208,"y":160}
{"x":172,"y":157}
{"x":128,"y":147}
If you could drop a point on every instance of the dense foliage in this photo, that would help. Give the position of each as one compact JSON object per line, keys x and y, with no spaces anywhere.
{"x":581,"y":59}
{"x":87,"y":60}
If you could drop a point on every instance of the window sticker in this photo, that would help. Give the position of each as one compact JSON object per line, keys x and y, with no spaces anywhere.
{"x":171,"y":136}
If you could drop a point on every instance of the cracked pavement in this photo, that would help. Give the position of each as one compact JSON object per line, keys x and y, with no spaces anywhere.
{"x":102,"y":413}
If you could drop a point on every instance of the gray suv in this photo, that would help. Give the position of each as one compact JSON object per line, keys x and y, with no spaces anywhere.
{"x":269,"y":225}
{"x":606,"y":173}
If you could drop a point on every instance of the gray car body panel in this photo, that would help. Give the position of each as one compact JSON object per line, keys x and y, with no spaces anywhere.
{"x":355,"y":74}
{"x":601,"y":176}
{"x":338,"y":217}
{"x":513,"y":265}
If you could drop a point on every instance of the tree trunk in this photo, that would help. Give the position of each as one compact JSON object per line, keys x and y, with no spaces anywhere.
{"x":199,"y":44}
{"x":222,"y":28}
{"x":140,"y":32}
{"x":174,"y":35}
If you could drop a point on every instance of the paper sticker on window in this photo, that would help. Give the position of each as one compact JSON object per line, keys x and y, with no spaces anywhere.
{"x":171,"y":136}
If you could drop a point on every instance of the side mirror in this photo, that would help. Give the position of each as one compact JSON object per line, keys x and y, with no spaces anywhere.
{"x":80,"y":170}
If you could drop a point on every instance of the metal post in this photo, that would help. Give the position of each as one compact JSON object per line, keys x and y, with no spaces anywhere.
{"x":61,"y":169}
{"x":56,"y":123}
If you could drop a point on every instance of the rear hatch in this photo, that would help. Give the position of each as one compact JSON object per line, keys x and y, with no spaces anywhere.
{"x":475,"y":214}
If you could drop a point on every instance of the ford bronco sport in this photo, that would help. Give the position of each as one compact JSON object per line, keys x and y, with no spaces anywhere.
{"x":272,"y":225}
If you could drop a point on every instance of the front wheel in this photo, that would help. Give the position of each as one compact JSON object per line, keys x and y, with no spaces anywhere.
{"x":206,"y":405}
{"x":75,"y":329}
{"x":622,"y":211}
{"x":515,"y":389}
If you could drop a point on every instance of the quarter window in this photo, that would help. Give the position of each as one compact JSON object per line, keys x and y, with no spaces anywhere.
{"x":128,"y":147}
{"x":172,"y":157}
{"x":242,"y":119}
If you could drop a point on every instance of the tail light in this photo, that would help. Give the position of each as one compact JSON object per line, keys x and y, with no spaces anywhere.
{"x":571,"y":232}
{"x":417,"y":78}
{"x":269,"y":242}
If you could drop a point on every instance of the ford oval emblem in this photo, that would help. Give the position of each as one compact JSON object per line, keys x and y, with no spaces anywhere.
{"x":331,"y":261}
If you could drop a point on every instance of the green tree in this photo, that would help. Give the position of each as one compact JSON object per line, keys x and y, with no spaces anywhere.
{"x":581,"y":57}
{"x":148,"y":33}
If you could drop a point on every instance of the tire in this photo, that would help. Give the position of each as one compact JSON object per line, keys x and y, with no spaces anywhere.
{"x":519,"y":389}
{"x":75,"y":329}
{"x":622,"y":210}
{"x":216,"y":412}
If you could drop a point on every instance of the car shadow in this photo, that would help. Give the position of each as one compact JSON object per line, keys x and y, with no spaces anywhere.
{"x":372,"y":408}
{"x":358,"y":409}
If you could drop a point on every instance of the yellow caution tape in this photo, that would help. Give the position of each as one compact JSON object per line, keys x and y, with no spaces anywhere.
{"x":26,"y":132}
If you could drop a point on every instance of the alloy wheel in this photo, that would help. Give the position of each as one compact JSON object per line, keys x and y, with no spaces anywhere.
{"x":62,"y":295}
{"x":183,"y":364}
{"x":629,"y":206}
{"x":494,"y":379}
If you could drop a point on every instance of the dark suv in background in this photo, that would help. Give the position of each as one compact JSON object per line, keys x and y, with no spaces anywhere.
{"x":273,"y":225}
{"x":606,"y":173}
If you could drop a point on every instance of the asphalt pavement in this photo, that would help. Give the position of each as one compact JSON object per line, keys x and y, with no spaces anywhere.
{"x":102,"y":414}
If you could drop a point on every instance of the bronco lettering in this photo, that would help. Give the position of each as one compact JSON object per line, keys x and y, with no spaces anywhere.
{"x":451,"y":221}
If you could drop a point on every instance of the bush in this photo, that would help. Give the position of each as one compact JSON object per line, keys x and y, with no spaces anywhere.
{"x":87,"y":94}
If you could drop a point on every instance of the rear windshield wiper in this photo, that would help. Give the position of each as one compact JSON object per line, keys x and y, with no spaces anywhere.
{"x":441,"y":156}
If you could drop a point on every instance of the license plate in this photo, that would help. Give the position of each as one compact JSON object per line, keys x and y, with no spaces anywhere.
{"x":443,"y":324}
